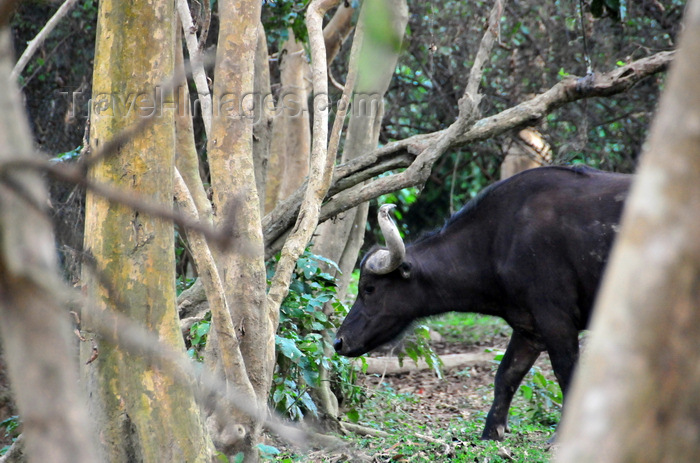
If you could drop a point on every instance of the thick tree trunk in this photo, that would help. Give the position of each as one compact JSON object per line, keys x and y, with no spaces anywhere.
{"x":230,"y":152}
{"x":35,"y":328}
{"x":636,"y":396}
{"x":142,"y":414}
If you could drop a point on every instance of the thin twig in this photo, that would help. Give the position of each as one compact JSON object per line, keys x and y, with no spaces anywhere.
{"x":76,"y":175}
{"x":363,"y":430}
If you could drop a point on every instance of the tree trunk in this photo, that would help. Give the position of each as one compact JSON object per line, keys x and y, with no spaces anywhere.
{"x":263,"y":114}
{"x":230,"y":152}
{"x":340,"y":239}
{"x":636,"y":396}
{"x":35,"y":330}
{"x":338,"y":29}
{"x":527,"y":150}
{"x":291,"y":130}
{"x":142,"y":414}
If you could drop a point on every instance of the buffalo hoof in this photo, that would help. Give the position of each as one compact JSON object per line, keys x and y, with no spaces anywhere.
{"x":497,"y":433}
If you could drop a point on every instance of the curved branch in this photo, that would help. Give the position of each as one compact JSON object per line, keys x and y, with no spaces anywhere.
{"x":396,"y":154}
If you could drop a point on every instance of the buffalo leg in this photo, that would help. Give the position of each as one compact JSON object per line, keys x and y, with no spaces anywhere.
{"x":561,"y":340}
{"x":518,"y":359}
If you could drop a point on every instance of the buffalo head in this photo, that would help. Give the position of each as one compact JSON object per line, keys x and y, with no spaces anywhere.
{"x":381,"y":311}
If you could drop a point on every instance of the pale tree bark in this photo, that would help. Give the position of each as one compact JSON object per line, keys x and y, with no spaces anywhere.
{"x":199,"y":74}
{"x":35,"y":327}
{"x":340,"y":240}
{"x":263,"y":113}
{"x":527,"y":150}
{"x":320,"y":163}
{"x":338,"y":29}
{"x":186,"y":157}
{"x":230,"y":153}
{"x":141,"y":412}
{"x":291,"y":128}
{"x":636,"y":396}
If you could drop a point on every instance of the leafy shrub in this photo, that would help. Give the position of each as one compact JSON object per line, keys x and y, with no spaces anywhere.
{"x":11,"y":426}
{"x":199,"y":333}
{"x":302,"y":341}
{"x":543,"y":399}
{"x":417,"y":346}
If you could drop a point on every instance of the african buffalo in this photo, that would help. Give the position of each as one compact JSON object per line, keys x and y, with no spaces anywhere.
{"x":530,"y":249}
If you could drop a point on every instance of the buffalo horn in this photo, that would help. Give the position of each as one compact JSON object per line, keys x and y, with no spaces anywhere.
{"x":387,"y":260}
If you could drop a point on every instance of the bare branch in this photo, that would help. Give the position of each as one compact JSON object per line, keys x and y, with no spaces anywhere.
{"x":113,"y":327}
{"x":35,"y":332}
{"x":485,"y":48}
{"x":396,"y":154}
{"x":229,"y":351}
{"x":76,"y":175}
{"x":37,"y":41}
{"x":338,"y":29}
{"x":119,"y":330}
{"x":206,"y":22}
{"x":196,"y":61}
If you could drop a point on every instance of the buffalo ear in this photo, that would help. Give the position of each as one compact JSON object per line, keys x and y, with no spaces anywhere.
{"x":405,"y":270}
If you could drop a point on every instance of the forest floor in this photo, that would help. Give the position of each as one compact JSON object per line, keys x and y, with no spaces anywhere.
{"x":422,"y":417}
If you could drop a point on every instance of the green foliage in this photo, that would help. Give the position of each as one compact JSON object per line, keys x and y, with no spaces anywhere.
{"x":68,"y":155}
{"x":469,"y":327}
{"x":268,"y":452}
{"x":391,"y":412}
{"x":198,"y":338}
{"x":11,"y":426}
{"x":281,"y":15}
{"x":302,"y":344}
{"x":417,"y":346}
{"x":543,"y":400}
{"x":182,"y":283}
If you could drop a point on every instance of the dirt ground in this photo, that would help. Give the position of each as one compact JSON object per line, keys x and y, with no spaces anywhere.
{"x":462,"y":392}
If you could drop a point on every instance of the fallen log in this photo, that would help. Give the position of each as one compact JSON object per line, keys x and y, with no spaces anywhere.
{"x":390,"y":365}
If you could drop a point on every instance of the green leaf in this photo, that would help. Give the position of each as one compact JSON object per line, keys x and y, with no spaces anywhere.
{"x":288,"y":348}
{"x":268,"y":450}
{"x":353,"y":415}
{"x":539,"y":379}
{"x":309,"y":403}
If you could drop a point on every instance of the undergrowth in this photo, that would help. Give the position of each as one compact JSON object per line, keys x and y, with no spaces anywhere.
{"x":416,"y":437}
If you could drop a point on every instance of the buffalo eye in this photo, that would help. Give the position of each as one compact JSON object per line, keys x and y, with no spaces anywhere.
{"x":369,"y":289}
{"x":405,"y":270}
